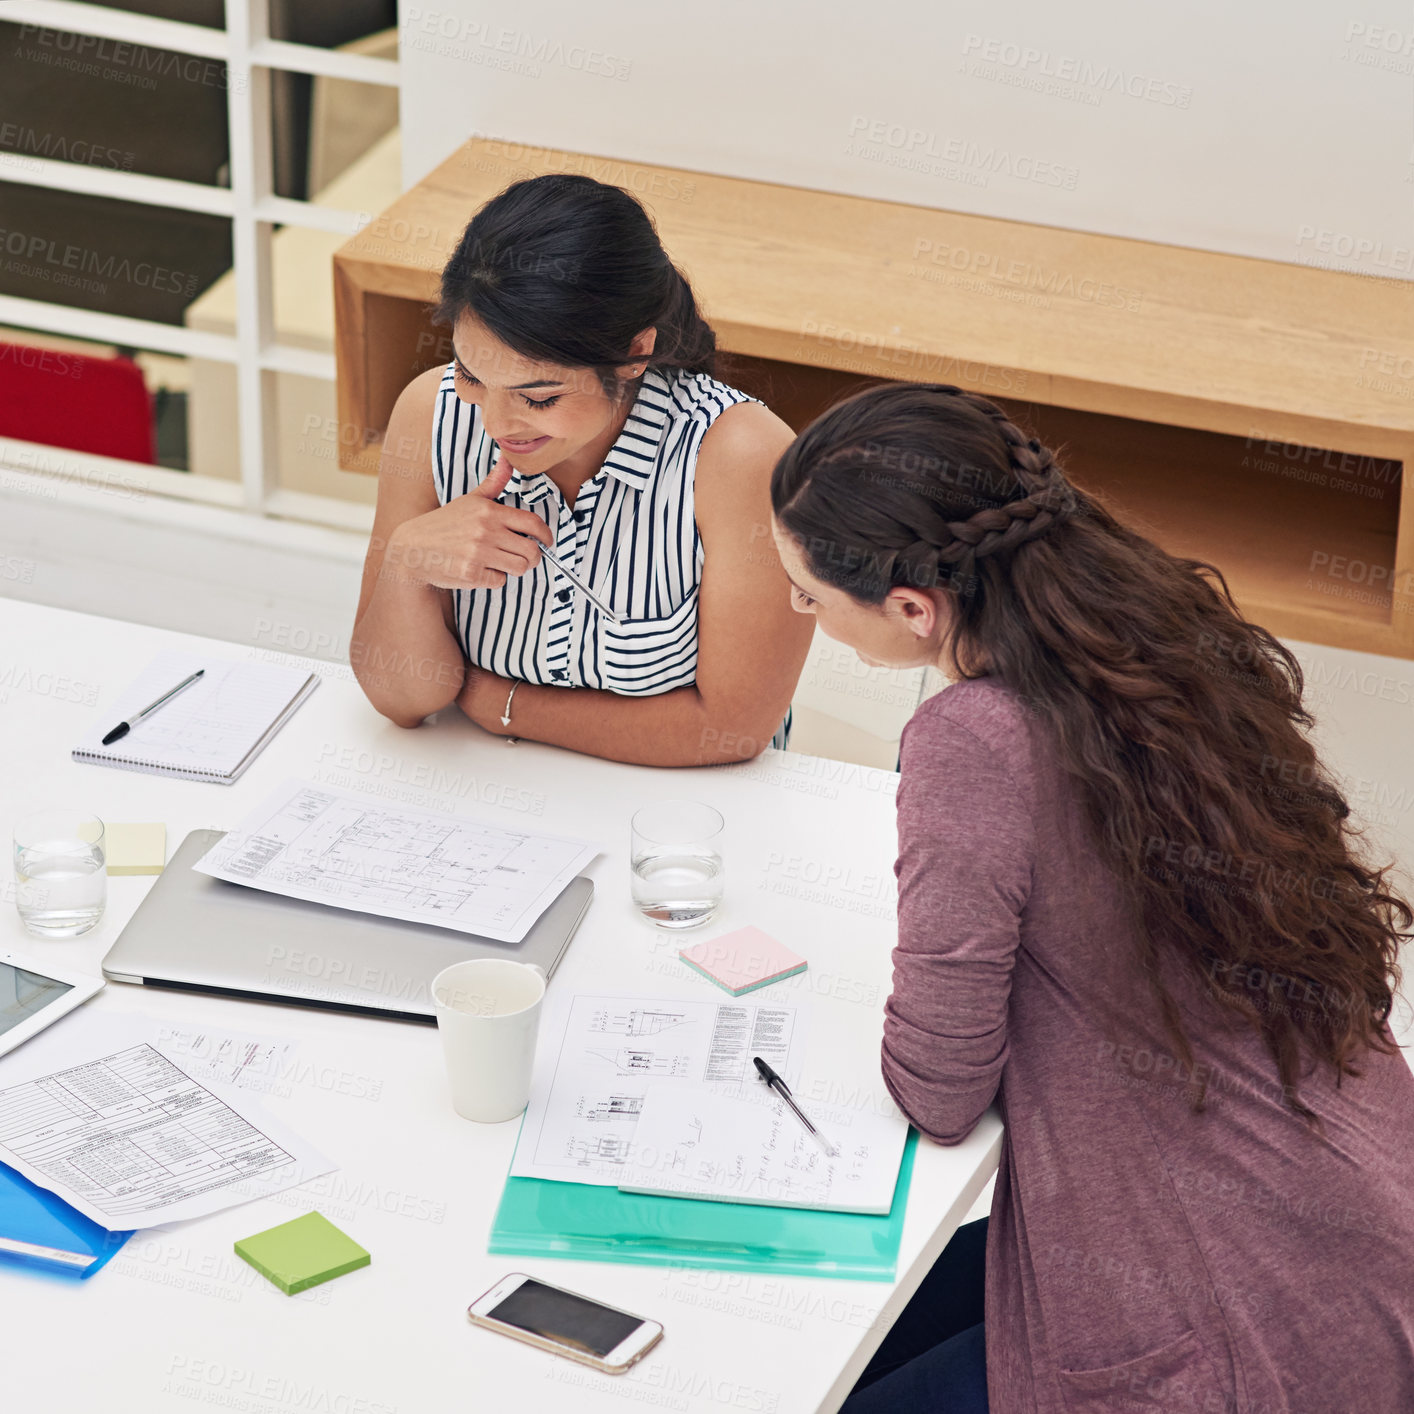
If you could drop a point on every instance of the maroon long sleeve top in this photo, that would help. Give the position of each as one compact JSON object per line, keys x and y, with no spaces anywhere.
{"x":1141,"y":1256}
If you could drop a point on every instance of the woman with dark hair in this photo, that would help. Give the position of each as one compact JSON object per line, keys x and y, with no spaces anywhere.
{"x":579,"y":413}
{"x":1172,"y":970}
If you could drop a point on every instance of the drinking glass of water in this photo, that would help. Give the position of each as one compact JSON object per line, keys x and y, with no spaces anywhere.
{"x":677,"y":863}
{"x":60,"y":883}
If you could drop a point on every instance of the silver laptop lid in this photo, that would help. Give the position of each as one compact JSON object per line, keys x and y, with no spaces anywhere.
{"x":196,"y":933}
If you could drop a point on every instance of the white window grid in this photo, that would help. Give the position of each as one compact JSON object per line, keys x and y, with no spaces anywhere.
{"x":250,"y":55}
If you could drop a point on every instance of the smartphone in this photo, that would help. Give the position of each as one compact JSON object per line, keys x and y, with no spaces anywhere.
{"x":574,"y":1326}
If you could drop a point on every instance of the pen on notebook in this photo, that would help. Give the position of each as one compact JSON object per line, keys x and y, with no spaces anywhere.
{"x":783,"y":1090}
{"x":123,"y":728}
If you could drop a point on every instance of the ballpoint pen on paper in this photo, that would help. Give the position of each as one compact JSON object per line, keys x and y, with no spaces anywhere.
{"x":783,"y":1090}
{"x":123,"y":728}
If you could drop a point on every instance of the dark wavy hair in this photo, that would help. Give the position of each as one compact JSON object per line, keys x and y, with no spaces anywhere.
{"x":569,"y":270}
{"x":1126,"y":653}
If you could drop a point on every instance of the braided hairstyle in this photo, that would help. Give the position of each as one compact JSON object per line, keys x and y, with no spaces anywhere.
{"x":947,"y":480}
{"x":1044,"y":498}
{"x":1125,"y":654}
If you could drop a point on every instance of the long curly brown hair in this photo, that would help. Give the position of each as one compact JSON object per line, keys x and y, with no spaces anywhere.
{"x":1181,"y":722}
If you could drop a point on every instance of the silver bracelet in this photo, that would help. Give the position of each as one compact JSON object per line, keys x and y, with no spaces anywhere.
{"x":510,"y":697}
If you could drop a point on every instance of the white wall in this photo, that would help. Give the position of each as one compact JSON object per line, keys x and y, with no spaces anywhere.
{"x":1273,"y":128}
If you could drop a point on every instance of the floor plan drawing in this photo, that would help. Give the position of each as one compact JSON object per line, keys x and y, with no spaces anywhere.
{"x":343,"y":849}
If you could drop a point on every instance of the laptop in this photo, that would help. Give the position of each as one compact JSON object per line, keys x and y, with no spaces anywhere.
{"x":194,"y":933}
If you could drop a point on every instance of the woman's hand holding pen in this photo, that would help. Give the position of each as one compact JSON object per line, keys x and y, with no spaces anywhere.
{"x":473,"y":542}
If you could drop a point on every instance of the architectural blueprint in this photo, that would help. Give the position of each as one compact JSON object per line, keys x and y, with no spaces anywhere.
{"x":352,"y":851}
{"x":598,"y":1055}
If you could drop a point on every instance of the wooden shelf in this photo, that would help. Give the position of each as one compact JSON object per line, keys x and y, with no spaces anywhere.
{"x":1166,"y":371}
{"x":1307,"y":549}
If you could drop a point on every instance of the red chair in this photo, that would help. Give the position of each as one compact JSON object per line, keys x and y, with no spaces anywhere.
{"x":98,"y":405}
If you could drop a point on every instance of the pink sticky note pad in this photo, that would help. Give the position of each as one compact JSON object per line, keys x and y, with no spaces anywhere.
{"x":742,"y":961}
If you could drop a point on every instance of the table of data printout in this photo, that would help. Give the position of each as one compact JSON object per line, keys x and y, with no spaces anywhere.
{"x":131,"y":1130}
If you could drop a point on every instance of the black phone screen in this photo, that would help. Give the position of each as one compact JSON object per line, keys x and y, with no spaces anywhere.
{"x":565,"y":1318}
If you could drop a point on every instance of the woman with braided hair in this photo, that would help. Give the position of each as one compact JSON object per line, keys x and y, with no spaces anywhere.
{"x":1172,"y":970}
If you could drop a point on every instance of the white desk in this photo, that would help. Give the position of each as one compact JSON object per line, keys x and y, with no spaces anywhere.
{"x":177,"y":1322}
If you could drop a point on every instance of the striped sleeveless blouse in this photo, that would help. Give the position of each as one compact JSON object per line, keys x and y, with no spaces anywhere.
{"x":631,"y":536}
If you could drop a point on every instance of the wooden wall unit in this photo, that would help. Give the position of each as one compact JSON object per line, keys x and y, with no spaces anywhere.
{"x":1254,"y":413}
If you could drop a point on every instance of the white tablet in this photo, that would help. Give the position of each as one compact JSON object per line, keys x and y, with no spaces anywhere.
{"x":33,"y":994}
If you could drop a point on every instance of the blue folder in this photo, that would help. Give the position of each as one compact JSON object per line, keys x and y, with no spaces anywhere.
{"x":39,"y":1229}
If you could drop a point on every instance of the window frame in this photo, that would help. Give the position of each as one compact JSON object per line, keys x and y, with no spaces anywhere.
{"x":250,"y":55}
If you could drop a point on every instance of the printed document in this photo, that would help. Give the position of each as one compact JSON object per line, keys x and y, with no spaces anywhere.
{"x":744,"y":1145}
{"x":214,"y":1055}
{"x":100,"y":1115}
{"x":351,"y":851}
{"x":598,"y":1055}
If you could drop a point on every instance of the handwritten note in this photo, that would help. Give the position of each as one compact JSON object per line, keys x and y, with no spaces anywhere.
{"x":741,"y":1144}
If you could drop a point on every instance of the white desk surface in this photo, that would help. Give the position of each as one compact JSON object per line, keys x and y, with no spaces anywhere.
{"x":177,"y":1322}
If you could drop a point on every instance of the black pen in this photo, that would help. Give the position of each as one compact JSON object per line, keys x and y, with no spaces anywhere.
{"x":123,"y":728}
{"x":783,"y":1090}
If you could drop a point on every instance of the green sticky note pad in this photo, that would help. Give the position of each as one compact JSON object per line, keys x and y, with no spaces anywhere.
{"x":299,"y":1254}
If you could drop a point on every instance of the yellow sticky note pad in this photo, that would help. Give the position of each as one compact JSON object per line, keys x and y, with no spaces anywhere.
{"x":135,"y":849}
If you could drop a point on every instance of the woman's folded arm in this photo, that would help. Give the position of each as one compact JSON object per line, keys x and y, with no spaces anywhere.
{"x":964,"y":873}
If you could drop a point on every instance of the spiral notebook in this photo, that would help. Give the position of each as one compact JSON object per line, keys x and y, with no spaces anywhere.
{"x":212,"y":730}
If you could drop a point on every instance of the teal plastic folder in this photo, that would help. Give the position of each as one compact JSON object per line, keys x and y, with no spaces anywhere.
{"x":539,"y":1217}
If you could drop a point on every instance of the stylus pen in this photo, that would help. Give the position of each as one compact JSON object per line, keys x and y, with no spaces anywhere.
{"x":783,"y":1090}
{"x":123,"y":728}
{"x":583,"y":588}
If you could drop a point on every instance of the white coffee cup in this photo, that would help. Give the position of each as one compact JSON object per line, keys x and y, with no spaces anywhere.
{"x":488,"y":1011}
